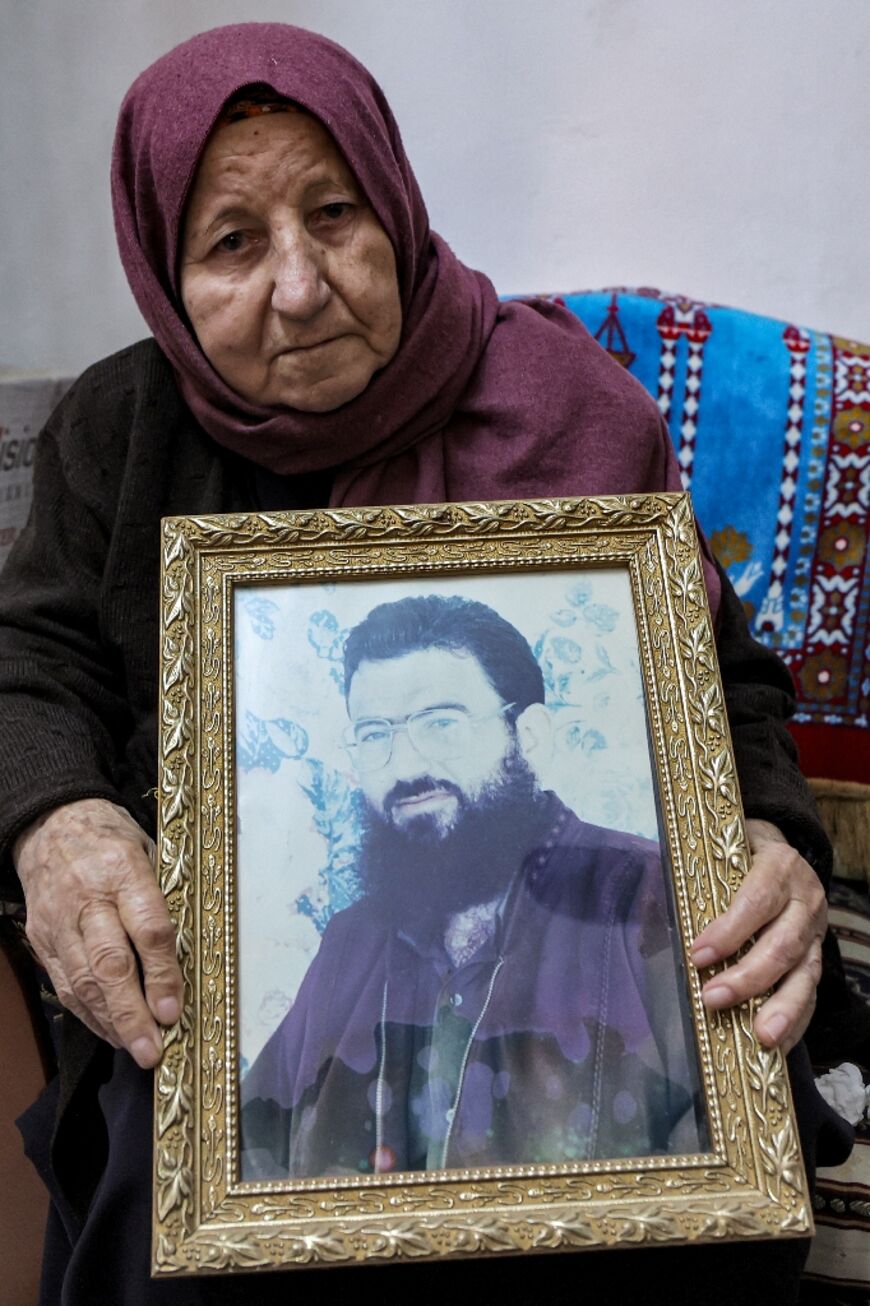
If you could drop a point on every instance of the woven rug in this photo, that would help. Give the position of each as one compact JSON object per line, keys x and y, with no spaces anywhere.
{"x":771,"y":423}
{"x":838,"y":1270}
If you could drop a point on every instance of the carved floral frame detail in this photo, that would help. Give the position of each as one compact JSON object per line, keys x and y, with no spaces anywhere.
{"x":750,"y":1185}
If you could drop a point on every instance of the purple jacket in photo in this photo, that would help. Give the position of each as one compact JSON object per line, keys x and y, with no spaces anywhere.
{"x":565,"y":1037}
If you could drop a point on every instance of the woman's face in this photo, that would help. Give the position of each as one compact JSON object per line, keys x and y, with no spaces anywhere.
{"x":288,"y":278}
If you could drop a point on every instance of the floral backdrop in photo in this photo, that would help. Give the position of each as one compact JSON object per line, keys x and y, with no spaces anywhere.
{"x":297,"y":801}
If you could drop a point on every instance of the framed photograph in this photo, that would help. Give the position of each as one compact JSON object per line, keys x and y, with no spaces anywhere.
{"x":446,"y":792}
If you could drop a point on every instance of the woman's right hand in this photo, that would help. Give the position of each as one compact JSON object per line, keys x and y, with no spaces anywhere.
{"x":93,"y":909}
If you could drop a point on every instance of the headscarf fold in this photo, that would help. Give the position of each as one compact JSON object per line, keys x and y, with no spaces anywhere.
{"x":481,"y":400}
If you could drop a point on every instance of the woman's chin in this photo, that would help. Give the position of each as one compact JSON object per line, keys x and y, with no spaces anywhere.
{"x":321,"y":393}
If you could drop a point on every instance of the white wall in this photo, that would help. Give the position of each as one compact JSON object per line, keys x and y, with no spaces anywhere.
{"x":720,"y":149}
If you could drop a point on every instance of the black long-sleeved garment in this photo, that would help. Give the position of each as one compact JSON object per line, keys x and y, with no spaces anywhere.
{"x":79,"y":659}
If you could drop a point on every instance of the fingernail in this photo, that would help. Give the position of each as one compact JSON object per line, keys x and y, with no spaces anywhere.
{"x":718,"y":997}
{"x":704,"y":956}
{"x":775,"y":1027}
{"x":168,"y":1011}
{"x":143,"y":1050}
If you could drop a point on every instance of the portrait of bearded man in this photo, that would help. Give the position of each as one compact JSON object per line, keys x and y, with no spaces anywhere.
{"x":507,"y":988}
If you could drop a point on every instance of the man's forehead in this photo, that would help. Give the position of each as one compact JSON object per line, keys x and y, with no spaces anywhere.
{"x":431,"y":677}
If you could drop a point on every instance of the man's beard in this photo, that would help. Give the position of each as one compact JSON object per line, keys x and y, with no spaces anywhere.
{"x":420,"y":875}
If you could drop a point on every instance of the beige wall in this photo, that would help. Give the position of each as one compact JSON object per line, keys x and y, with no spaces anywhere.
{"x":718,"y":149}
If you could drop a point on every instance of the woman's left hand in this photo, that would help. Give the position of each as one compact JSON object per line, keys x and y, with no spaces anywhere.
{"x":782,"y":902}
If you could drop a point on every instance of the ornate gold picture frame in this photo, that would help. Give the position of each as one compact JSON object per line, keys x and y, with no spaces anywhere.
{"x":306,"y":1113}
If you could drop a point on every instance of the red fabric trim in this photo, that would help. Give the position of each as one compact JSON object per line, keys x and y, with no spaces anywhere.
{"x":834,"y":752}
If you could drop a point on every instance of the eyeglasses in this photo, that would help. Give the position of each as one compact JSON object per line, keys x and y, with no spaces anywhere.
{"x":437,"y":733}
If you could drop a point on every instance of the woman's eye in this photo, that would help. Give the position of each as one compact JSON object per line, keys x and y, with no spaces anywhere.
{"x":332,"y":213}
{"x":232,"y":243}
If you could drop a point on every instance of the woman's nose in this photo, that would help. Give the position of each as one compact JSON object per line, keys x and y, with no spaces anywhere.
{"x":300,"y":288}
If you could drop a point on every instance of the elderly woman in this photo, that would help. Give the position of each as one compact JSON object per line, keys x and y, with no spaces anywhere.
{"x":313,"y":343}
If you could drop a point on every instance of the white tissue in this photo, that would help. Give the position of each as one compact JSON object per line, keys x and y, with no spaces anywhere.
{"x":843,"y":1089}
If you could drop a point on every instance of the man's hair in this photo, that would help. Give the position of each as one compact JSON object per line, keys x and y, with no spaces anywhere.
{"x":457,"y":625}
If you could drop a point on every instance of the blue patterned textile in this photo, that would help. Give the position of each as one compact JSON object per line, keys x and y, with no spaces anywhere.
{"x":771,"y":423}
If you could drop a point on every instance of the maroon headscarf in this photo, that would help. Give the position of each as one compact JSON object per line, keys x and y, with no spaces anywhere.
{"x":481,"y":400}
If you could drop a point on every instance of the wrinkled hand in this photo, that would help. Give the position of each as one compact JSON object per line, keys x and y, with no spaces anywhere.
{"x":93,"y":909}
{"x":782,"y":902}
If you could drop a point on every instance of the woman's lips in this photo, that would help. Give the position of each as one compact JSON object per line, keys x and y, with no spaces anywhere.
{"x":307,"y":349}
